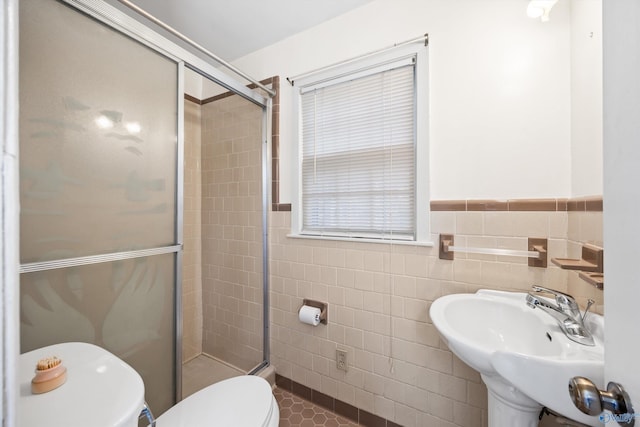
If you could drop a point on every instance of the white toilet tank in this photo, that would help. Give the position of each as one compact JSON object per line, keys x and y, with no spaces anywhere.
{"x":100,"y":389}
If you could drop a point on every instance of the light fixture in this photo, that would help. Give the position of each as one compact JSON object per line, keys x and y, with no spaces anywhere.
{"x":103,"y":122}
{"x":133,"y":127}
{"x":540,"y":9}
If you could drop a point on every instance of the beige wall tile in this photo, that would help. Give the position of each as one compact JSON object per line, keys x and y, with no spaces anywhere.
{"x":375,"y":281}
{"x":363,"y":280}
{"x":467,"y":270}
{"x":384,"y":407}
{"x":373,"y":383}
{"x":443,"y":222}
{"x":440,"y":406}
{"x":404,"y":286}
{"x":558,"y":225}
{"x":477,"y":394}
{"x":364,"y":400}
{"x":427,"y":334}
{"x":345,"y":277}
{"x":394,"y":390}
{"x":417,"y":398}
{"x":373,"y":301}
{"x":406,"y":416}
{"x":498,"y":224}
{"x":346,"y":393}
{"x":374,"y":342}
{"x":416,"y":310}
{"x":416,"y":265}
{"x":591,"y":228}
{"x":452,"y":387}
{"x":428,"y":289}
{"x":530,"y":224}
{"x":354,"y":298}
{"x":354,"y":259}
{"x":374,"y":261}
{"x":467,"y":415}
{"x":470,"y":223}
{"x":462,"y":370}
{"x":440,"y":269}
{"x":192,"y":276}
{"x":336,"y":258}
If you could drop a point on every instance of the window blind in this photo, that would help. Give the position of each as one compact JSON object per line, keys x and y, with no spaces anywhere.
{"x":358,"y":155}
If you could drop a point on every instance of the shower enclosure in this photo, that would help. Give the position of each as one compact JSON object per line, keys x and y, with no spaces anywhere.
{"x":109,"y":241}
{"x":224,"y":244}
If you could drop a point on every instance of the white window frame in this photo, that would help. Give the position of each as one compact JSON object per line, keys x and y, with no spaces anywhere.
{"x":420,"y":52}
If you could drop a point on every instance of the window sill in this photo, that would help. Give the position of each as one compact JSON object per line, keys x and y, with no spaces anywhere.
{"x":363,"y":240}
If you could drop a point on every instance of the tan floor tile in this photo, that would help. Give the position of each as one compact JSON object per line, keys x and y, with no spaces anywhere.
{"x":295,"y":411}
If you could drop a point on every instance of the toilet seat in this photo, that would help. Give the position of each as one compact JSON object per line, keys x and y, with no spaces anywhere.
{"x":245,"y":401}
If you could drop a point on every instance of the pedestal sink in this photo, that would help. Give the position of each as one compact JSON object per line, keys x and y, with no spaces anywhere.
{"x":524,"y":358}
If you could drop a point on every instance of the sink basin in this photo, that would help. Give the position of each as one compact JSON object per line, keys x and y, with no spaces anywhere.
{"x":523,"y":356}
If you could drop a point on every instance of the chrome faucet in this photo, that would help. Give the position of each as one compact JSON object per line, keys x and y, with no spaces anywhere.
{"x":566,"y":313}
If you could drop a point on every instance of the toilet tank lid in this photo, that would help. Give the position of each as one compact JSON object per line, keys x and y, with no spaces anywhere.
{"x":100,"y":390}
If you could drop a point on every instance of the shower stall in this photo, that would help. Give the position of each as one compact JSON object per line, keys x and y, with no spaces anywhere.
{"x":224,"y":323}
{"x":142,"y":214}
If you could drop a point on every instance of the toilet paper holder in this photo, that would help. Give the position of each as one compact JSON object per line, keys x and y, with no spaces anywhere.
{"x":323,"y":306}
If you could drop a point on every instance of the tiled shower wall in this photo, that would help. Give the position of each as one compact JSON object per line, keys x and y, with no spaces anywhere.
{"x":192,"y":255}
{"x":379,"y":297}
{"x":232,"y":269}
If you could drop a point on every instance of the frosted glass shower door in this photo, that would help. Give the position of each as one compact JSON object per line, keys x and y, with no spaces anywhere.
{"x":98,"y":182}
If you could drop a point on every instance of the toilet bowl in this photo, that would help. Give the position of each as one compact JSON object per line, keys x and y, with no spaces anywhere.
{"x":102,"y":390}
{"x":245,"y":401}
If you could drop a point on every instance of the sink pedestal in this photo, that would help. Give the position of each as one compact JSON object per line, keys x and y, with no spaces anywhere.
{"x":508,"y":406}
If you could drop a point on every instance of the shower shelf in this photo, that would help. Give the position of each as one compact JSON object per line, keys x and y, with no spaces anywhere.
{"x":591,"y":261}
{"x":595,"y":279}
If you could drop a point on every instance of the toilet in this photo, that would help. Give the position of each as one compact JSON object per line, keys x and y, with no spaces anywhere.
{"x":245,"y":401}
{"x":101,"y":390}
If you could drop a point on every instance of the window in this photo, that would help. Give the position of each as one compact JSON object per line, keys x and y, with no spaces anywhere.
{"x":362,"y":150}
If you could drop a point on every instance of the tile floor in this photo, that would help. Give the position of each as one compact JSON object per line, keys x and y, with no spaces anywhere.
{"x":203,"y":371}
{"x":294,"y":411}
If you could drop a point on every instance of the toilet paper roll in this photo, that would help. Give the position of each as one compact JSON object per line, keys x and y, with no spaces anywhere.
{"x":309,"y":315}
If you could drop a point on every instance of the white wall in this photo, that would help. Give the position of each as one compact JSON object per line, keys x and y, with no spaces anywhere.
{"x":500,"y":89}
{"x":586,"y":97}
{"x":201,"y":87}
{"x":621,"y":177}
{"x":193,"y":83}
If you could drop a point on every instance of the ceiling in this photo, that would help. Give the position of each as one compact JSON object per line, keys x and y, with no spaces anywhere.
{"x":232,"y":29}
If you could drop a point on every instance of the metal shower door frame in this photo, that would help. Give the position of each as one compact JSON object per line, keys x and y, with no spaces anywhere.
{"x":139,"y":32}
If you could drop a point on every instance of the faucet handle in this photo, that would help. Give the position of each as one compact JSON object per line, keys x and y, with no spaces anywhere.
{"x":590,"y":302}
{"x":562,"y":299}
